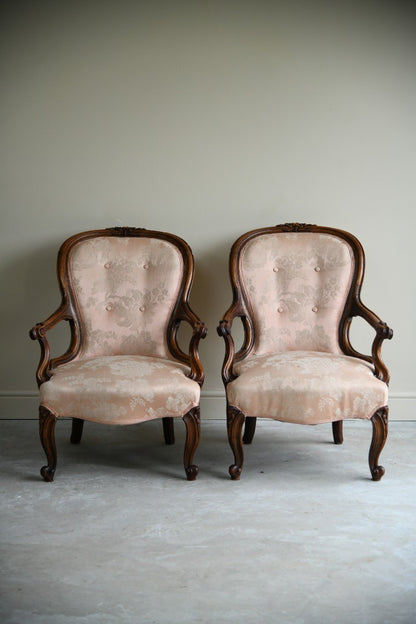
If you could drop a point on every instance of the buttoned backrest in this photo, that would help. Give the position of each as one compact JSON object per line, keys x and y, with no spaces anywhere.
{"x":125,"y":289}
{"x":296,"y":285}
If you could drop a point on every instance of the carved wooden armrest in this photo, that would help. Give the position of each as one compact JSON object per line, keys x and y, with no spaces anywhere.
{"x":383,"y":332}
{"x":38,"y":332}
{"x":199,"y":331}
{"x":224,"y":330}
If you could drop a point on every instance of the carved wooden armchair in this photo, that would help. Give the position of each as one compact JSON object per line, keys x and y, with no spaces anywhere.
{"x":296,"y":289}
{"x":124,"y":293}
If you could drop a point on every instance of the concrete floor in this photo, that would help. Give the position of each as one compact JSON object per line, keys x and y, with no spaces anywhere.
{"x":121,"y":537}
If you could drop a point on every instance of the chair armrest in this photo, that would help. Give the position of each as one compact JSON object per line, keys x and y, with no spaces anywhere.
{"x":38,"y":332}
{"x":199,"y":331}
{"x":224,"y":330}
{"x":237,"y":310}
{"x":383,"y":332}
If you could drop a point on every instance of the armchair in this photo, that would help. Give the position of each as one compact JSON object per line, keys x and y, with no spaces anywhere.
{"x":124,"y":294}
{"x":296,"y":289}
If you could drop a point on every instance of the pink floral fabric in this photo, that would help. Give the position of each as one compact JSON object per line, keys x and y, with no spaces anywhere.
{"x":297,"y":284}
{"x":126,"y":289}
{"x":120,"y":389}
{"x":306,"y":387}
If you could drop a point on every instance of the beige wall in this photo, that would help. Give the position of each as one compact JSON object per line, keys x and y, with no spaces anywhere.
{"x":205,"y":119}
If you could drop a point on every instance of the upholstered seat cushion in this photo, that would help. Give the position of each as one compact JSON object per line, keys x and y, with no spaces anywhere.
{"x":120,"y":389}
{"x":306,"y":387}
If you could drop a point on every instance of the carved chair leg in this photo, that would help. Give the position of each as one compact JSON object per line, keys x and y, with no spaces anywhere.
{"x":249,"y":429}
{"x":235,"y":422}
{"x":168,"y":430}
{"x":47,"y":422}
{"x":193,"y":432}
{"x":337,"y":432}
{"x":380,"y":429}
{"x":77,"y":427}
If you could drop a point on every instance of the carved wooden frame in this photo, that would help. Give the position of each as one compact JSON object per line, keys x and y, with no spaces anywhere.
{"x":67,"y":311}
{"x":240,"y":308}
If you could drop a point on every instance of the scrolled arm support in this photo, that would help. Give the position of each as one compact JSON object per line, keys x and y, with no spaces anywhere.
{"x":199,"y":331}
{"x":383,"y":332}
{"x":38,"y":332}
{"x":224,"y":331}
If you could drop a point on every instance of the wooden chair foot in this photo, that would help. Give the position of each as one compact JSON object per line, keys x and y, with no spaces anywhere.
{"x":47,"y":473}
{"x":235,"y":472}
{"x":380,"y":429}
{"x":191,"y":472}
{"x":47,"y":421}
{"x":193,"y":433}
{"x":235,"y":422}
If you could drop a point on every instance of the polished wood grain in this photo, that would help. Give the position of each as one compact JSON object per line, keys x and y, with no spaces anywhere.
{"x":193,"y":433}
{"x":380,"y":430}
{"x":235,"y":422}
{"x":47,"y":422}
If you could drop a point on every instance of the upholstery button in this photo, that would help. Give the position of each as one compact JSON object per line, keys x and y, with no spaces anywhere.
{"x":275,"y":269}
{"x":280,"y":309}
{"x":145,"y":266}
{"x":108,"y":307}
{"x":317,"y":269}
{"x":315,"y":309}
{"x":107,"y":265}
{"x":142,"y":308}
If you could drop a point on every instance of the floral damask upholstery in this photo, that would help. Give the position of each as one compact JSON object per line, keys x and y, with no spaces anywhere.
{"x":126,"y":289}
{"x":120,"y":390}
{"x":296,"y":284}
{"x":307,"y":387}
{"x":124,"y":292}
{"x":296,"y":290}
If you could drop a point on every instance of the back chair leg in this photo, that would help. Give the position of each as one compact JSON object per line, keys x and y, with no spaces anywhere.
{"x":47,"y":421}
{"x":249,"y":429}
{"x":77,"y":428}
{"x":168,"y":430}
{"x":235,"y":422}
{"x":380,"y":429}
{"x":337,"y":432}
{"x":193,"y":433}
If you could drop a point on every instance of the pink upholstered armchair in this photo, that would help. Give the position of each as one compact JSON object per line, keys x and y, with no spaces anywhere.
{"x":124,"y":293}
{"x":296,"y":289}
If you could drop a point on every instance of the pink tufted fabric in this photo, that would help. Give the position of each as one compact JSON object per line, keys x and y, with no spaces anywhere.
{"x":297,"y":284}
{"x":126,"y":289}
{"x":120,"y":389}
{"x":306,"y":387}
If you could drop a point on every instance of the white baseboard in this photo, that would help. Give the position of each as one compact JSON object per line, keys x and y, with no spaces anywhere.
{"x":24,"y":405}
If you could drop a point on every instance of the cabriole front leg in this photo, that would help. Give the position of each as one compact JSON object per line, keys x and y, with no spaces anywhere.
{"x":380,"y":428}
{"x":235,"y":422}
{"x":193,"y":433}
{"x":47,"y":422}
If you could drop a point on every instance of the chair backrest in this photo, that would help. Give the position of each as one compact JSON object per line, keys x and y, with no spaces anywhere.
{"x":124,"y":285}
{"x":295,"y":281}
